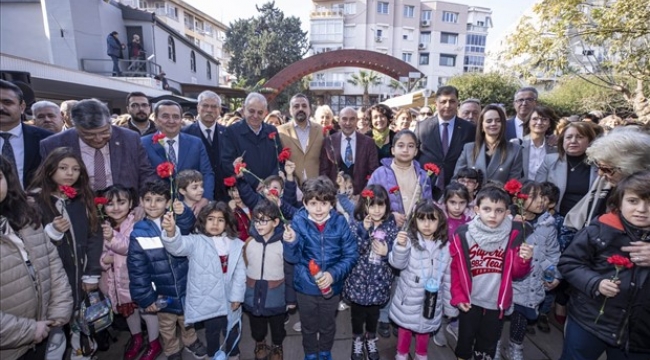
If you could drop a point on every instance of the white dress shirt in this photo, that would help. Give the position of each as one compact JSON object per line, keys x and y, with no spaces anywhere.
{"x":303,"y":134}
{"x":88,"y":157}
{"x":18,"y":144}
{"x":353,"y":144}
{"x":166,"y":146}
{"x":519,"y":128}
{"x":535,"y":159}
{"x":212,"y":128}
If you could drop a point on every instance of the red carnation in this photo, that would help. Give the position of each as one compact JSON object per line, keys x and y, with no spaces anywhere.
{"x":68,"y":191}
{"x":100,"y":201}
{"x":284,"y":155}
{"x":274,"y":192}
{"x":513,"y":187}
{"x":240,"y":167}
{"x":165,"y":170}
{"x":230,"y":181}
{"x":522,"y":196}
{"x":620,"y":261}
{"x":394,"y":190}
{"x":158,"y":138}
{"x":327,"y":129}
{"x":273,"y":135}
{"x":431,"y":169}
{"x":368,"y":194}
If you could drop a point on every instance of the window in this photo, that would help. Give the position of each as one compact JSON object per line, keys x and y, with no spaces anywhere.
{"x":473,"y":63}
{"x":382,"y":7}
{"x":447,"y":60}
{"x":208,"y":70}
{"x":408,"y":35}
{"x":475,"y":43}
{"x":407,"y":57}
{"x":448,"y":38}
{"x":350,"y":8}
{"x":480,"y":23}
{"x":198,"y":25}
{"x":426,"y":15}
{"x":327,"y":30}
{"x":409,"y":11}
{"x":189,"y":22}
{"x":450,"y":17}
{"x":424,"y":59}
{"x":379,"y":33}
{"x":171,"y":49}
{"x":425,"y":37}
{"x":192,"y":61}
{"x":172,"y":12}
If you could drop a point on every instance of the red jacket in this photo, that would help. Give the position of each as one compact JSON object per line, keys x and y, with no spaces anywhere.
{"x":514,"y":267}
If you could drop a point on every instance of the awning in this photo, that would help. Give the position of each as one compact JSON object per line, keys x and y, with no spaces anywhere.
{"x":414,"y":99}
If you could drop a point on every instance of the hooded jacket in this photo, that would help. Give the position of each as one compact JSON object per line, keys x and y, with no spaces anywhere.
{"x":115,"y":277}
{"x":385,"y":176}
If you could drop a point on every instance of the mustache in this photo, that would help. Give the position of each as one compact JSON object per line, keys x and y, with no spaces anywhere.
{"x":301,"y":115}
{"x":2,"y":112}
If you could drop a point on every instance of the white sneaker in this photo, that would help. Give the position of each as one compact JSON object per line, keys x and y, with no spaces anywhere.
{"x":439,"y":338}
{"x":297,"y":327}
{"x":343,"y":306}
{"x":452,"y":329}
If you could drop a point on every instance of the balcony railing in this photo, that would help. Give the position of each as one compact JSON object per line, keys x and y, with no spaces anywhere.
{"x":326,"y":13}
{"x":129,"y":68}
{"x":476,"y":28}
{"x":326,"y":85}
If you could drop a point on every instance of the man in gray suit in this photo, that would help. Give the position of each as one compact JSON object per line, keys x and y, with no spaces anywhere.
{"x":112,"y":155}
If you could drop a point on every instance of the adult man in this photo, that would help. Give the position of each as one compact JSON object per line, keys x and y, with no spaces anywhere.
{"x":66,"y":108}
{"x":183,"y":150}
{"x":138,"y":106}
{"x":425,"y":112}
{"x":303,"y":137}
{"x":112,"y":155}
{"x":47,"y":115}
{"x":525,"y":102}
{"x":211,"y":133}
{"x":19,"y":142}
{"x":114,"y":51}
{"x":250,"y":139}
{"x":470,"y":110}
{"x":348,"y":151}
{"x":442,"y":137}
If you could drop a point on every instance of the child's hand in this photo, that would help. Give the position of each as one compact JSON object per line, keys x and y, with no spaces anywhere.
{"x":379,"y":247}
{"x":289,"y":235}
{"x":325,"y":281}
{"x":61,"y":224}
{"x":402,"y":238}
{"x":367,"y":222}
{"x":340,"y":181}
{"x":234,"y":165}
{"x":518,"y":218}
{"x":108,"y":259}
{"x":608,"y":288}
{"x":548,"y":286}
{"x":234,"y":305}
{"x":290,"y":169}
{"x":152,"y":308}
{"x":526,"y":251}
{"x":107,"y":231}
{"x":282,"y":175}
{"x":169,"y":224}
{"x":178,"y":207}
{"x":400,"y":219}
{"x":464,"y":307}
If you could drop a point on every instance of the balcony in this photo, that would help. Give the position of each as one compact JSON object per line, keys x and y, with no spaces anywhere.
{"x":476,"y":28}
{"x":326,"y":85}
{"x":326,"y":13}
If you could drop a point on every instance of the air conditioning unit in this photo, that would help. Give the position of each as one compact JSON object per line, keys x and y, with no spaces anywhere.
{"x":425,"y":23}
{"x":378,"y":39}
{"x":422,"y":46}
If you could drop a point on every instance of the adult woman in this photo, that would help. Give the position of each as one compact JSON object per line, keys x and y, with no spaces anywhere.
{"x":380,"y":117}
{"x":273,"y":119}
{"x":403,"y":119}
{"x":363,"y":122}
{"x":537,"y":128}
{"x":324,"y":116}
{"x":34,"y":290}
{"x":491,"y":153}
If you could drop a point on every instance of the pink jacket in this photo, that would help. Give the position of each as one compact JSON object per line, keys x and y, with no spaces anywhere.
{"x":115,"y":277}
{"x":514,"y":267}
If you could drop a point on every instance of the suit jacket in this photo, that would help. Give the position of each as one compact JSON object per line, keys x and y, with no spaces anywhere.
{"x":511,"y":168}
{"x":525,"y":155}
{"x":129,"y":164}
{"x":32,"y":137}
{"x":214,"y":154}
{"x":428,"y":133}
{"x":556,"y":170}
{"x":306,"y":161}
{"x":511,"y":129}
{"x":191,"y":155}
{"x":365,"y":160}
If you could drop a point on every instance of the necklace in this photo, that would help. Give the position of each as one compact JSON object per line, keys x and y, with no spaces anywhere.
{"x":573,"y":168}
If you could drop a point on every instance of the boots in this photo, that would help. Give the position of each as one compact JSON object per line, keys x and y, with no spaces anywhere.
{"x":399,"y":356}
{"x":357,"y":348}
{"x":276,"y":352}
{"x":136,"y":345}
{"x":371,"y":347}
{"x":153,"y":350}
{"x":261,"y":350}
{"x":420,"y":357}
{"x":514,"y":351}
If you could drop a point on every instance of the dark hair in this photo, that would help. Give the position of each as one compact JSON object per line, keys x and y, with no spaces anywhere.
{"x":267,"y":182}
{"x":586,"y":129}
{"x":321,"y":189}
{"x":403,"y":132}
{"x":636,"y":183}
{"x":447,"y":90}
{"x":299,"y":96}
{"x":43,"y":180}
{"x":545,"y":112}
{"x":382,"y":109}
{"x":454,"y":189}
{"x":90,"y":114}
{"x":502,"y":142}
{"x":551,"y":191}
{"x":347,"y":177}
{"x":528,"y":89}
{"x":468,"y":173}
{"x":156,"y":108}
{"x":532,"y":189}
{"x":156,"y":187}
{"x":8,"y":85}
{"x":427,"y":209}
{"x":15,"y":207}
{"x":186,"y":177}
{"x":380,"y":198}
{"x":134,"y":94}
{"x":494,"y":193}
{"x":228,"y":215}
{"x":265,"y":207}
{"x":120,"y":192}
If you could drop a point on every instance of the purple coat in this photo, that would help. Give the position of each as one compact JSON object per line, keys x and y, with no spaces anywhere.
{"x":385,"y":176}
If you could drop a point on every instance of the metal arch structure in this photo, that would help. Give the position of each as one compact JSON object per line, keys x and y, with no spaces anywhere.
{"x":365,"y":59}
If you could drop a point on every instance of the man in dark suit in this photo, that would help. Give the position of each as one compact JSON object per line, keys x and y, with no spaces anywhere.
{"x":19,"y":142}
{"x":525,"y":101}
{"x":442,"y":137}
{"x":211,"y":134}
{"x":112,"y":155}
{"x":358,"y":160}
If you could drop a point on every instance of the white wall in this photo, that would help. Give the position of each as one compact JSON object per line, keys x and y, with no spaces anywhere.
{"x":13,"y":32}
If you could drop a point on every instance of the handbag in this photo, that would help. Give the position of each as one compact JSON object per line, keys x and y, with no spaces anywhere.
{"x":95,"y":313}
{"x":221,"y":353}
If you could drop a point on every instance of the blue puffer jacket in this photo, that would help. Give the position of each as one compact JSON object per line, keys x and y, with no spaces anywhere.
{"x":385,"y":176}
{"x":148,"y":262}
{"x":334,"y":250}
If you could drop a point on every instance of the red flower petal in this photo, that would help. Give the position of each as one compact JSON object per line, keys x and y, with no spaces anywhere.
{"x":284,"y":155}
{"x":368,"y":194}
{"x":239,"y":167}
{"x":157,"y":137}
{"x":327,"y":129}
{"x":432,"y":169}
{"x":165,"y":170}
{"x":274,"y":192}
{"x":100,"y":200}
{"x":230,"y":181}
{"x":393,"y":190}
{"x":273,"y":135}
{"x":512,"y":187}
{"x":68,"y":191}
{"x":618,"y":260}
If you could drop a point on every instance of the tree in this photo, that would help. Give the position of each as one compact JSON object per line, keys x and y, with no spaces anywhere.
{"x":407,"y":86}
{"x":489,"y":88}
{"x":604,"y":43}
{"x":365,"y":79}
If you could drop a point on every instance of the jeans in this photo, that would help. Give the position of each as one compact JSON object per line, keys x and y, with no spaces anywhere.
{"x":214,"y":328}
{"x":318,"y":322}
{"x":580,"y":344}
{"x":116,"y":65}
{"x":479,"y":331}
{"x":260,"y":326}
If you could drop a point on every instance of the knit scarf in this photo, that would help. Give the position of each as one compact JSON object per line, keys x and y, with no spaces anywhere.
{"x":487,"y":238}
{"x":380,"y":136}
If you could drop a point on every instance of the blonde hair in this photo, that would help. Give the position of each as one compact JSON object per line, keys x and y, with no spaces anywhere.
{"x":322,"y":110}
{"x":625,"y":150}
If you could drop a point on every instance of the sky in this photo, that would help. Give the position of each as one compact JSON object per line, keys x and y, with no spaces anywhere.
{"x":504,"y":13}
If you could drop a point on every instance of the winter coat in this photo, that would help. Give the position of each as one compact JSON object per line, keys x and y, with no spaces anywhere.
{"x":115,"y":277}
{"x":269,"y":279}
{"x":369,"y":284}
{"x":385,"y":176}
{"x":251,"y":198}
{"x":243,"y":221}
{"x":24,"y":301}
{"x":529,"y":291}
{"x":334,"y":250}
{"x":209,"y":290}
{"x":113,"y":46}
{"x":626,"y":317}
{"x":417,"y":265}
{"x":150,"y":265}
{"x":514,"y":267}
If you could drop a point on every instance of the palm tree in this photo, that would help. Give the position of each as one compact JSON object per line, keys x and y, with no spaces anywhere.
{"x":406,"y":86}
{"x":365,"y":79}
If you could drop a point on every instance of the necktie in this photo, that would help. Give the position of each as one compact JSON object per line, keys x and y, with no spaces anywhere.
{"x":209,"y":135}
{"x":348,"y":153}
{"x":8,"y":150}
{"x":172,"y":152}
{"x":440,"y":182}
{"x":100,"y":171}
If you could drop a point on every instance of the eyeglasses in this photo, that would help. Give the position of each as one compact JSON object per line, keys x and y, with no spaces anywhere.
{"x":426,"y":113}
{"x":606,"y":170}
{"x":261,"y":221}
{"x":521,"y":101}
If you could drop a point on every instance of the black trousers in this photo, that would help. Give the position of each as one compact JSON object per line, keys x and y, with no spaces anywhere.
{"x":318,"y":322}
{"x":260,"y":326}
{"x":364,"y":314}
{"x":216,"y":327}
{"x":479,"y":331}
{"x":37,"y":353}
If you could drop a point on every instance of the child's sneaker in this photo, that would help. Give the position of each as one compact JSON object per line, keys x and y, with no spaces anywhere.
{"x":371,"y":347}
{"x":197,"y":349}
{"x":276,"y":352}
{"x":357,"y":349}
{"x":439,"y":338}
{"x":530,"y":329}
{"x":261,"y":350}
{"x":542,"y":324}
{"x":452,"y":329}
{"x":325,"y":355}
{"x":287,"y":318}
{"x":383,"y":329}
{"x":313,"y":356}
{"x":514,"y":351}
{"x":399,"y":356}
{"x":343,"y":306}
{"x":135,"y":347}
{"x":153,"y":350}
{"x":297,"y":327}
{"x":420,"y":357}
{"x":176,"y":356}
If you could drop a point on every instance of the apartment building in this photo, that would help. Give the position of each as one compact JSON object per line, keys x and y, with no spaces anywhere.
{"x":439,"y":38}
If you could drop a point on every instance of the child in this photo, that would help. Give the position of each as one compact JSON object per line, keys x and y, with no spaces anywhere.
{"x":528,"y":292}
{"x":608,"y":308}
{"x":422,"y":256}
{"x":241,"y":211}
{"x":215,"y":289}
{"x":472,"y":180}
{"x":368,"y":286}
{"x":321,"y":234}
{"x":115,"y":277}
{"x":154,"y":273}
{"x":486,"y":257}
{"x":269,"y":282}
{"x":189,"y":183}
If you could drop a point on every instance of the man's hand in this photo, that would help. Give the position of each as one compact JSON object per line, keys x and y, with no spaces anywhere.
{"x":107,"y":231}
{"x":196,"y":209}
{"x":178,"y":207}
{"x":169,"y":224}
{"x":61,"y":224}
{"x":289,"y":235}
{"x":42,"y":330}
{"x":402,"y":238}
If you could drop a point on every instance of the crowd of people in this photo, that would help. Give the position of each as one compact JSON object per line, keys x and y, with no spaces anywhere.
{"x":447,"y":222}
